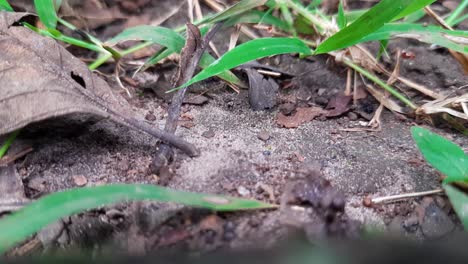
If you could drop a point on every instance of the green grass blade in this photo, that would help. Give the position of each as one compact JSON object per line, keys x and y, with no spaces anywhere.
{"x":50,"y":208}
{"x":5,"y":6}
{"x":456,"y":40}
{"x":458,"y":20}
{"x":442,"y":154}
{"x":413,"y":6}
{"x":352,"y":15}
{"x":415,"y":16}
{"x":252,"y":50}
{"x":6,"y":145}
{"x":160,"y":35}
{"x":53,"y":33}
{"x":459,"y":202}
{"x":257,"y":17}
{"x":46,"y":11}
{"x":369,"y":22}
{"x":458,"y":11}
{"x":341,"y":18}
{"x":170,"y":39}
{"x":234,"y":10}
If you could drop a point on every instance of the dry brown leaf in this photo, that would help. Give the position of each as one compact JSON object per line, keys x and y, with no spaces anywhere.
{"x":40,"y":80}
{"x":302,"y":115}
{"x":338,"y":105}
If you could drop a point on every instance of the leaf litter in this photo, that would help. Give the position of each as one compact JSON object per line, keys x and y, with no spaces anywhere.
{"x":54,"y":83}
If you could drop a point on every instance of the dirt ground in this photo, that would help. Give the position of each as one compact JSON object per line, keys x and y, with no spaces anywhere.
{"x":245,"y":153}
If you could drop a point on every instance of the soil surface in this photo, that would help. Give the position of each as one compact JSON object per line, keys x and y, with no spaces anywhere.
{"x":244,"y":153}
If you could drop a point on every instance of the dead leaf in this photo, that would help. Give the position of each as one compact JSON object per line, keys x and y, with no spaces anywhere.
{"x":12,"y":195}
{"x":338,"y":105}
{"x":41,"y":80}
{"x":302,"y":115}
{"x":262,"y":90}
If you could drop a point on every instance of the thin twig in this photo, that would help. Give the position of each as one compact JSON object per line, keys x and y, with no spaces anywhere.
{"x":189,"y":59}
{"x":399,"y":197}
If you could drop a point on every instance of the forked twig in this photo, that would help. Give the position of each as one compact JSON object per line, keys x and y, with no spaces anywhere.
{"x":190,"y":56}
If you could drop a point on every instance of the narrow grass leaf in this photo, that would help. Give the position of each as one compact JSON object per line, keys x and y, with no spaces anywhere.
{"x":39,"y":214}
{"x":46,"y":11}
{"x":457,"y":12}
{"x":458,"y":20}
{"x":53,"y":33}
{"x":413,"y":6}
{"x":453,"y":39}
{"x":5,"y":6}
{"x":459,"y":202}
{"x":160,"y":35}
{"x":170,"y":39}
{"x":442,"y":154}
{"x":6,"y":145}
{"x":369,"y":22}
{"x":252,"y":50}
{"x":234,"y":10}
{"x":256,"y":17}
{"x":341,"y":18}
{"x":415,"y":16}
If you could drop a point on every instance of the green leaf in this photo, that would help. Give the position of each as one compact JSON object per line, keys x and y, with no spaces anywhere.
{"x":413,"y":6}
{"x":252,"y":50}
{"x":46,"y":11}
{"x":5,"y":6}
{"x":459,"y":202}
{"x":50,"y":208}
{"x":160,"y":35}
{"x":457,"y":12}
{"x":341,"y":19}
{"x":53,"y":33}
{"x":369,"y":22}
{"x":169,"y":39}
{"x":257,"y":17}
{"x":6,"y":145}
{"x":442,"y":154}
{"x":415,"y":16}
{"x":234,"y":10}
{"x":452,"y":39}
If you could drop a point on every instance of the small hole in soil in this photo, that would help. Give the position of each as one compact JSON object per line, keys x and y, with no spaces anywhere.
{"x":78,"y":79}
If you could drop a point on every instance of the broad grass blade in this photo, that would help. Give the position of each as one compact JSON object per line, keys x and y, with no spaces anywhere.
{"x":456,"y":39}
{"x":239,"y":8}
{"x":48,"y":209}
{"x":169,"y":39}
{"x":252,"y":50}
{"x":442,"y":154}
{"x":46,"y":11}
{"x":5,"y":6}
{"x":413,"y":6}
{"x":459,"y":202}
{"x":383,"y":12}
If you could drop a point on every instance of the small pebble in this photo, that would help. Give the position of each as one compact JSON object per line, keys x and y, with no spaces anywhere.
{"x":321,"y":101}
{"x":229,"y":236}
{"x":263,"y":135}
{"x":150,"y":117}
{"x":243,"y":191}
{"x":352,"y":116}
{"x":367,"y":202}
{"x":287,"y":108}
{"x":80,"y":180}
{"x":208,"y":134}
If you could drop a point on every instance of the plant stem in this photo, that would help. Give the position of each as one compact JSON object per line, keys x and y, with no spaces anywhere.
{"x":103,"y":58}
{"x":306,"y":13}
{"x":399,"y":197}
{"x":6,"y":145}
{"x":456,"y":12}
{"x":376,"y":80}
